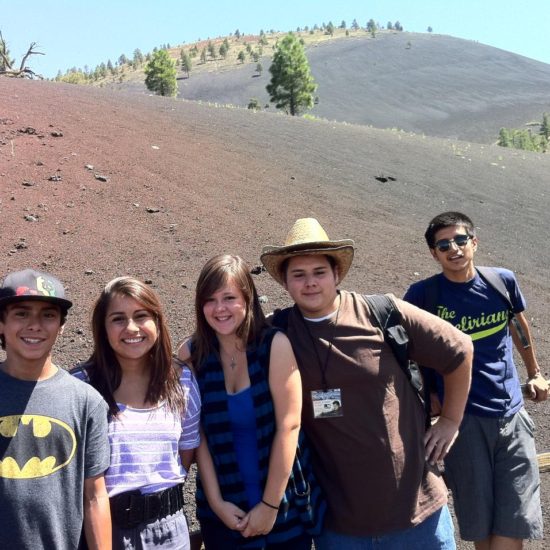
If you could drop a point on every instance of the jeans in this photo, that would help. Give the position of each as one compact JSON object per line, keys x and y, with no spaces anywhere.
{"x":434,"y":533}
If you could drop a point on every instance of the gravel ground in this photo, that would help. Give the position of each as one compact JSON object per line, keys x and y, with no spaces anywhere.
{"x":95,"y":185}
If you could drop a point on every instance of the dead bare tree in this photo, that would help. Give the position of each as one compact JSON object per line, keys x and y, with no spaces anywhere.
{"x":7,"y":66}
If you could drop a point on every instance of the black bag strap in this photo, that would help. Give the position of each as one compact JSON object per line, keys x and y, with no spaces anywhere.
{"x":491,"y":276}
{"x":279,"y":318}
{"x":389,"y":320}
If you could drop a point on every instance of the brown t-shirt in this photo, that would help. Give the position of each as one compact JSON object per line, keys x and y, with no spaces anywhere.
{"x":370,"y":461}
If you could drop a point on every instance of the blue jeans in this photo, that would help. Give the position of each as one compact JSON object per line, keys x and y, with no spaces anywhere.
{"x":434,"y":533}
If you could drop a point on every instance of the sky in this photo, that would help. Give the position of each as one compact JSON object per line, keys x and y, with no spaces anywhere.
{"x":86,"y":33}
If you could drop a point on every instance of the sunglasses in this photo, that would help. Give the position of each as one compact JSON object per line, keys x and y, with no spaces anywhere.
{"x":445,"y":244}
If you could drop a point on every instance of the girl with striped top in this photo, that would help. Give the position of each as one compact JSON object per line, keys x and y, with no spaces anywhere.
{"x":251,"y":398}
{"x":154,"y":409}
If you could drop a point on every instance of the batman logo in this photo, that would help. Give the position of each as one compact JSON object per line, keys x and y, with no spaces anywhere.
{"x":34,"y":446}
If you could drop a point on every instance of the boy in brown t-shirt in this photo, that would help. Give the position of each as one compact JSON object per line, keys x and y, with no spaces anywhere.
{"x":372,"y":456}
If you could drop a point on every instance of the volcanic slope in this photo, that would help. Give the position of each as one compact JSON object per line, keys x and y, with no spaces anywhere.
{"x":185,"y":181}
{"x":424,"y":83}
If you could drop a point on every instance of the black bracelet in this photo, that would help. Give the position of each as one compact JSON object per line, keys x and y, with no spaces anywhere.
{"x":270,"y":505}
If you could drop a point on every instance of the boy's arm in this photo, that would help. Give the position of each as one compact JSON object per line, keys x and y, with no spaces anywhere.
{"x":537,"y":386}
{"x":97,"y":514}
{"x":442,"y":434}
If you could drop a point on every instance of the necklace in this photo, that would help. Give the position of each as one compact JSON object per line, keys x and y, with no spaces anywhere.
{"x":323,"y":366}
{"x":232,"y":358}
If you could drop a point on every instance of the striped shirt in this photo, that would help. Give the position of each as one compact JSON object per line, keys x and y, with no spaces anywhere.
{"x":145,"y":442}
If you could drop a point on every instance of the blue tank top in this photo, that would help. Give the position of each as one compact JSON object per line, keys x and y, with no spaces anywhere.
{"x":243,"y":425}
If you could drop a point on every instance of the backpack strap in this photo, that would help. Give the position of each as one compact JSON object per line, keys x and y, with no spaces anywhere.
{"x":389,"y":320}
{"x":492,"y":277}
{"x":431,"y":294}
{"x":279,"y":318}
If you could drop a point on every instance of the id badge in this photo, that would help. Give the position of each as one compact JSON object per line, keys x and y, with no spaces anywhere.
{"x":327,"y":404}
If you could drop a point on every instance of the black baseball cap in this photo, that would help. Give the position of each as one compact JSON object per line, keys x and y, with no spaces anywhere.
{"x":33,"y":285}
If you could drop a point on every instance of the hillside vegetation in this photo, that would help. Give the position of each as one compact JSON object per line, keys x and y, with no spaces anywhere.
{"x":424,"y":83}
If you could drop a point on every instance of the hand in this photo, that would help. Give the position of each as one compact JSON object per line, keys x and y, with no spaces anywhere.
{"x":440,"y":438}
{"x":232,"y":516}
{"x":537,"y":388}
{"x":260,"y":520}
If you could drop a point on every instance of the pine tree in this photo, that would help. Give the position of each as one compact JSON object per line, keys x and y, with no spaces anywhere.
{"x":371,"y":27}
{"x":211,"y":50}
{"x":4,"y":50}
{"x":186,"y":62}
{"x":161,"y":74}
{"x":545,"y":127}
{"x":242,"y":56}
{"x":292,"y":86}
{"x":138,"y":57}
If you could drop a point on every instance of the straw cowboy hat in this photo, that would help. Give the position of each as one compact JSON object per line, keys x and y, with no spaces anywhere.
{"x":307,"y":237}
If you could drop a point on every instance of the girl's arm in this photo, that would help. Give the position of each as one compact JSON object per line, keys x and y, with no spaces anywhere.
{"x":286,"y":391}
{"x":190,"y":437}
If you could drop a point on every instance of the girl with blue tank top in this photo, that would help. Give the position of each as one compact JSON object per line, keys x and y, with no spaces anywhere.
{"x":251,"y":406}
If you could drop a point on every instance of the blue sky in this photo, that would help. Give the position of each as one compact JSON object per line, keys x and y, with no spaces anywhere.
{"x":79,"y":33}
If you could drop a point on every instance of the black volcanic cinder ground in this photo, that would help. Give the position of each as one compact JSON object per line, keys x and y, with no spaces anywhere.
{"x":230,"y":180}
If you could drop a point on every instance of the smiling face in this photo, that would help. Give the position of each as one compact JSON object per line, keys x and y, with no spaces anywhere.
{"x":311,"y":282}
{"x":30,"y":329}
{"x":225,"y":309}
{"x":457,"y":262}
{"x":131,"y":329}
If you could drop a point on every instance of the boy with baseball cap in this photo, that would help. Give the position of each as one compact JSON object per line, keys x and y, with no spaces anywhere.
{"x":53,"y":428}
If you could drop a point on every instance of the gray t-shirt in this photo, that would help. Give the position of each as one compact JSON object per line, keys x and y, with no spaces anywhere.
{"x":53,"y":435}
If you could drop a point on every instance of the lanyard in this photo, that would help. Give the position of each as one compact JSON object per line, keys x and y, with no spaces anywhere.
{"x":323,"y":366}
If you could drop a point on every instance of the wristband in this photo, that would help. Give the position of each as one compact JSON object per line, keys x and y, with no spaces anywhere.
{"x":270,"y":505}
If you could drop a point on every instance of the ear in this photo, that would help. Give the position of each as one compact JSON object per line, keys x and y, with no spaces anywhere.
{"x":61,"y":329}
{"x":433,"y":252}
{"x":336,"y":275}
{"x":474,"y":243}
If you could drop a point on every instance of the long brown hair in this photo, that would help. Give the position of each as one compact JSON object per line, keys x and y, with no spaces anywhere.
{"x":215,"y":274}
{"x":103,"y":367}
